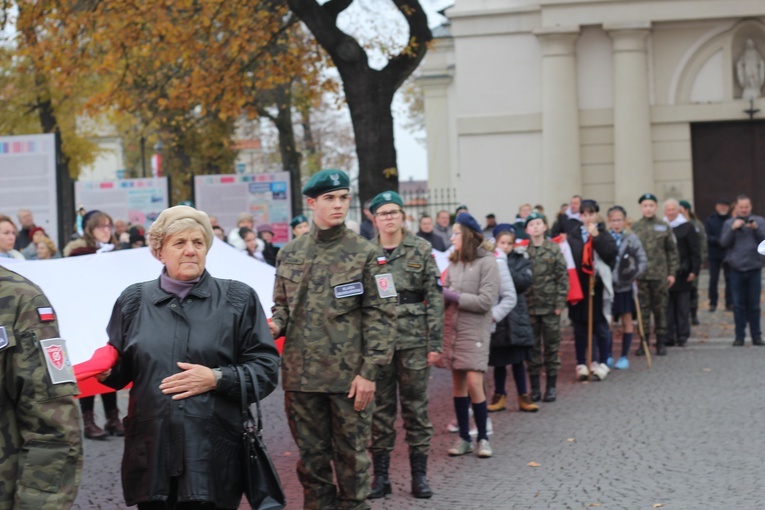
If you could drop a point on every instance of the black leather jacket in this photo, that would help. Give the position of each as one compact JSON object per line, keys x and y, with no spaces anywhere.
{"x":198,"y":439}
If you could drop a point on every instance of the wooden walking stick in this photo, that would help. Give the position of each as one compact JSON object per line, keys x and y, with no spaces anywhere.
{"x":591,"y":295}
{"x":640,"y":330}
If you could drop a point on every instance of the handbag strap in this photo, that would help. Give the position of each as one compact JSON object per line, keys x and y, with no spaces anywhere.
{"x":246,"y":413}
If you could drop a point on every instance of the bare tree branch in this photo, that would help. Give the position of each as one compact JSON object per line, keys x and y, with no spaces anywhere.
{"x":402,"y":65}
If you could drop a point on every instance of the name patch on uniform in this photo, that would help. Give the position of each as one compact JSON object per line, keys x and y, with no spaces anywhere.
{"x":57,"y":360}
{"x":385,"y":286}
{"x":349,"y":289}
{"x":660,"y":228}
{"x":414,"y":266}
{"x":46,"y":314}
{"x":3,"y":338}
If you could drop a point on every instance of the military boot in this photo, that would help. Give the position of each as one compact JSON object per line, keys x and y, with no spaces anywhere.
{"x":92,"y":431}
{"x":550,"y":393}
{"x":661,"y":346}
{"x":380,"y":482}
{"x":536,"y":391}
{"x":113,"y":423}
{"x":419,"y":464}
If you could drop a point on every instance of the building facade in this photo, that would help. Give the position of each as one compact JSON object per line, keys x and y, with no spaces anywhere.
{"x":536,"y":100}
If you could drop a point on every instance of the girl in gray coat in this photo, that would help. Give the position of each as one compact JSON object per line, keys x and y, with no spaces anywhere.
{"x":630,"y":262}
{"x":471,"y":287}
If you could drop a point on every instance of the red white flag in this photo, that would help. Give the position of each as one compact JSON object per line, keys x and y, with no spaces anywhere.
{"x":46,"y":314}
{"x":575,"y":293}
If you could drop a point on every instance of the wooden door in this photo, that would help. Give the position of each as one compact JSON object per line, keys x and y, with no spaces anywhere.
{"x":728,"y":160}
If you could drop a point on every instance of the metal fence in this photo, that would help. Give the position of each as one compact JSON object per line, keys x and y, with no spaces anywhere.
{"x":417,"y":202}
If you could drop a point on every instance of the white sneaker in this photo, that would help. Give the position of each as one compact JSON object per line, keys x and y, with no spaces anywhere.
{"x":489,"y":429}
{"x":599,"y":371}
{"x":453,"y":427}
{"x":582,"y":372}
{"x":461,"y":447}
{"x":484,"y":449}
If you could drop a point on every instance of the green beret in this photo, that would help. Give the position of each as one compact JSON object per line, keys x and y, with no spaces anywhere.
{"x":647,"y":196}
{"x":297,"y":220}
{"x":461,"y":207}
{"x":326,"y":181}
{"x":386,"y":197}
{"x":686,"y":204}
{"x":533,"y":216}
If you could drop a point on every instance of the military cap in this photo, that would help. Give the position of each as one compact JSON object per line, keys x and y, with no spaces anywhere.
{"x":386,"y":197}
{"x":589,"y":204}
{"x":686,"y":204}
{"x":466,"y":219}
{"x":647,"y":196}
{"x":533,"y":216}
{"x":326,"y":181}
{"x":297,"y":220}
{"x":461,"y":207}
{"x":502,"y":227}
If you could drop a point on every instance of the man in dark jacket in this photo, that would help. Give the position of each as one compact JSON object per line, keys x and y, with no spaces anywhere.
{"x":426,"y":232}
{"x":713,"y":226}
{"x":689,"y":254}
{"x":27,"y":222}
{"x":741,"y":235}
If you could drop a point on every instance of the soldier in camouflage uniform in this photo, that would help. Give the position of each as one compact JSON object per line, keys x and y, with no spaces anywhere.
{"x":336,"y":305}
{"x":420,"y":317}
{"x":701,"y":232}
{"x":546,"y":299}
{"x":40,"y":434}
{"x":653,"y":285}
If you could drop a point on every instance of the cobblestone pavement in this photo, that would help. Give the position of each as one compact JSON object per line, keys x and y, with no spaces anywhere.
{"x":685,"y":435}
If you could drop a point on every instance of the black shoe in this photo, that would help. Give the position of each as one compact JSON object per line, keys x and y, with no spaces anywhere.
{"x":758,"y":341}
{"x":670,"y":343}
{"x":695,"y":320}
{"x":712,"y":308}
{"x":728,"y":308}
{"x":681,"y":342}
{"x":640,"y":351}
{"x":738,"y":342}
{"x":661,"y":350}
{"x":536,"y":391}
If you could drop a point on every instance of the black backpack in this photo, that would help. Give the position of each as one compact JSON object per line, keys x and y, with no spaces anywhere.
{"x":627,"y":264}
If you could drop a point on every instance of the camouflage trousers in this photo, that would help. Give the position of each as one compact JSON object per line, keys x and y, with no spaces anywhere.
{"x":653,"y":296}
{"x":405,"y":378}
{"x":547,"y":332}
{"x":327,"y":431}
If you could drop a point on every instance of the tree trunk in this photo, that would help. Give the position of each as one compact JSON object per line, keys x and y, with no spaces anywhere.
{"x":369,"y":100}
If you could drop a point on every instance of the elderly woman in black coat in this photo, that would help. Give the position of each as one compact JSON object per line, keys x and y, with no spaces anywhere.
{"x":513,"y":338}
{"x":179,"y":339}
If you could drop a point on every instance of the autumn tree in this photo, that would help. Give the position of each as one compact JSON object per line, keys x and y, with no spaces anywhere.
{"x":368,"y":91}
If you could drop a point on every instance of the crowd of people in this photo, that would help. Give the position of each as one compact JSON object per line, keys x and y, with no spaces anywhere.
{"x":364,"y":323}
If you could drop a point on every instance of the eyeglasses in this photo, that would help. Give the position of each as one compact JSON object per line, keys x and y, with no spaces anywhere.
{"x":389,"y":214}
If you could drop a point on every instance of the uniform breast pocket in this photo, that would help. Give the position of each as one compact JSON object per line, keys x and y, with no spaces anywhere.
{"x":347,"y":292}
{"x":414,"y":276}
{"x":291,"y":272}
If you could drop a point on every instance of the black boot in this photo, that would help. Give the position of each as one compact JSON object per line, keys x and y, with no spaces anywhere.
{"x":419,"y":464}
{"x":381,"y":482}
{"x":536,"y":391}
{"x":550,"y":393}
{"x":661,"y":348}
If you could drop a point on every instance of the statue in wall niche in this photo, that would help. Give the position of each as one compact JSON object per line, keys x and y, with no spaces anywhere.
{"x":750,"y":71}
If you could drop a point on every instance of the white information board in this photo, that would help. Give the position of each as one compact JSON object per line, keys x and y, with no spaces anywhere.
{"x":137,"y":201}
{"x":28,"y":179}
{"x":266,"y":196}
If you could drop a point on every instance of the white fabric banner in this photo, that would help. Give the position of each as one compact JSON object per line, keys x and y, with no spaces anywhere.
{"x":83,"y":289}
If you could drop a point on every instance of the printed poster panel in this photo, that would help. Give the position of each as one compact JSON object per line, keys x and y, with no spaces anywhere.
{"x":28,"y":180}
{"x":137,"y":201}
{"x":266,"y":196}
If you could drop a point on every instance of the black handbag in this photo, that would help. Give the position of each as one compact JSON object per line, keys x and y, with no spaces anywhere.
{"x":262,"y":485}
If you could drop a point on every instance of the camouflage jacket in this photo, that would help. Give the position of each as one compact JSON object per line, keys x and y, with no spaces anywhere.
{"x":40,"y":435}
{"x":549,"y":289}
{"x":420,"y":324}
{"x":660,"y":247}
{"x":328,"y":305}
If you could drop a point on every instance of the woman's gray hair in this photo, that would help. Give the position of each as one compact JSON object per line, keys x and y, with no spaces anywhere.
{"x":174,"y":220}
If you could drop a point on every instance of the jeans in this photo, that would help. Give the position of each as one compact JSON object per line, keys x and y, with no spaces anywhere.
{"x":746,"y":288}
{"x":714,"y":276}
